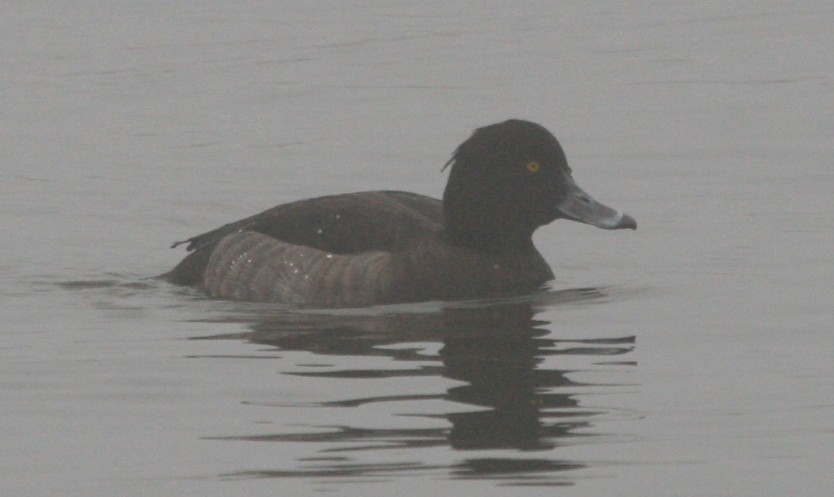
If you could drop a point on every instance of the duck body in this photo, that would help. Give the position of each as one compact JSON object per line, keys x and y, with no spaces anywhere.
{"x":382,"y":247}
{"x":351,"y":250}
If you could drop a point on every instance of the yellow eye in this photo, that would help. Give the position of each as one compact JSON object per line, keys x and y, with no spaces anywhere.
{"x":533,"y":167}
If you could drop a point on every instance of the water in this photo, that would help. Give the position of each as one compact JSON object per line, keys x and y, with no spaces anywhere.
{"x":691,"y":357}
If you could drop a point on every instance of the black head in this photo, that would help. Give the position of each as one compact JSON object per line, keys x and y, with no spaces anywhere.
{"x":510,"y":178}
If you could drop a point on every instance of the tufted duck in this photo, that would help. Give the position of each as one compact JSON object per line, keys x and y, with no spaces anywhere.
{"x":381,"y":247}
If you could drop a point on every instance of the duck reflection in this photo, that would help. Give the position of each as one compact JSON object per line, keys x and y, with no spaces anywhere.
{"x":511,"y":396}
{"x":496,"y":351}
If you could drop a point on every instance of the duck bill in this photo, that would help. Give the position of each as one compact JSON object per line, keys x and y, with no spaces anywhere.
{"x":577,"y":205}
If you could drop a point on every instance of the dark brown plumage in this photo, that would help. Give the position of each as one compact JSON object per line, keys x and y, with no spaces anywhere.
{"x":383,"y":247}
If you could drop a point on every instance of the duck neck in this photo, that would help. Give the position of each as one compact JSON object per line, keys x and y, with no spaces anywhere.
{"x":479,"y":215}
{"x":491,"y":239}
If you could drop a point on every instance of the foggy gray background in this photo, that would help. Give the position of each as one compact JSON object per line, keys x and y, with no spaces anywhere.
{"x":127,"y":125}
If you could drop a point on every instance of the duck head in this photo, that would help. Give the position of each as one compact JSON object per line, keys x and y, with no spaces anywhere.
{"x":508,"y":179}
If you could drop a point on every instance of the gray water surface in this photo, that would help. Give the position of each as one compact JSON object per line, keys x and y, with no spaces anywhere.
{"x":691,"y":357}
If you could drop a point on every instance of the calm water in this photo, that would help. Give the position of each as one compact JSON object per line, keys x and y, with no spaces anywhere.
{"x":692,"y":357}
